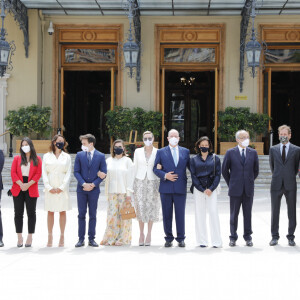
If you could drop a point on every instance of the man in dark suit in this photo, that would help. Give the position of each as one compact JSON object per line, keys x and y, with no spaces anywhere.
{"x":87,"y":164}
{"x":284,"y":164}
{"x":1,"y":188}
{"x":240,"y":168}
{"x":173,"y":180}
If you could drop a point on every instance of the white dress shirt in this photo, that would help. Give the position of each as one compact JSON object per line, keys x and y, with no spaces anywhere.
{"x":241,"y":150}
{"x":286,"y":148}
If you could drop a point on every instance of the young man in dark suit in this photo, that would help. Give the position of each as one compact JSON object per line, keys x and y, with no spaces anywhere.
{"x":88,"y":163}
{"x":284,"y":163}
{"x":173,"y":180}
{"x":240,"y":168}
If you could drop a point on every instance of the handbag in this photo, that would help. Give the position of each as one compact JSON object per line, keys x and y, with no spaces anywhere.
{"x":127,"y":212}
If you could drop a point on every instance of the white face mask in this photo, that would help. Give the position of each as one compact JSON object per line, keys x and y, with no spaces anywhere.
{"x":26,"y":149}
{"x":84,"y":148}
{"x":148,"y":143}
{"x":173,"y":141}
{"x":245,"y":143}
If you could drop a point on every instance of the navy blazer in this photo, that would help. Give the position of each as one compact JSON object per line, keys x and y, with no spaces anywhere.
{"x":165,"y":158}
{"x":240,"y":177}
{"x":1,"y":168}
{"x":88,"y":174}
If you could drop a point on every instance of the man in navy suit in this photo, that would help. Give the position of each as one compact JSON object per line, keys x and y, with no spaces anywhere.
{"x":240,"y":168}
{"x":88,"y":163}
{"x":174,"y":161}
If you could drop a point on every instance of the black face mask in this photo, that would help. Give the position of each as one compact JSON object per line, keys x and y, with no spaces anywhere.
{"x":60,"y":145}
{"x":118,"y":150}
{"x":204,"y":149}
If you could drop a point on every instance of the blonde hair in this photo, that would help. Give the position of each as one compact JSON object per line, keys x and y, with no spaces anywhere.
{"x":148,"y":132}
{"x":282,"y":127}
{"x":112,"y":153}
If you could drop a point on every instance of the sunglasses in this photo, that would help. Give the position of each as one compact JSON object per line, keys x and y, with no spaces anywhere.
{"x":149,"y":139}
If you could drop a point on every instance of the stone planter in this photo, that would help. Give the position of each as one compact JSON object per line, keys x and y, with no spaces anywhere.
{"x":41,"y":146}
{"x":224,"y":146}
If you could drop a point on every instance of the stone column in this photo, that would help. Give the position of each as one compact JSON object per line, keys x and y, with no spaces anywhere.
{"x":3,"y":94}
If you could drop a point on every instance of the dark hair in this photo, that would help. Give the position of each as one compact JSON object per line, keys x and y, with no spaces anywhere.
{"x":33,"y":155}
{"x":112,"y":152}
{"x":203,"y":138}
{"x":89,"y":137}
{"x":52,"y":146}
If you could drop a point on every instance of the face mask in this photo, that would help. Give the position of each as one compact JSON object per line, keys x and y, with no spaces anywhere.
{"x":283,"y":139}
{"x":118,"y":151}
{"x":204,"y":149}
{"x":60,"y":145}
{"x":148,"y":143}
{"x":245,"y":143}
{"x":84,"y":148}
{"x":25,"y":149}
{"x":173,"y":141}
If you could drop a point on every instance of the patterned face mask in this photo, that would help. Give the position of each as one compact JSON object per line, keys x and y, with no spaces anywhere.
{"x":283,"y":139}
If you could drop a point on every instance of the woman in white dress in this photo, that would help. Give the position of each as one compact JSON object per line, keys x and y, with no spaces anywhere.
{"x":56,"y":172}
{"x":118,"y":188}
{"x":146,"y":185}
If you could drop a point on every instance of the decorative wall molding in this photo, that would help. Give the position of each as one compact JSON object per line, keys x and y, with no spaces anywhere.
{"x":280,"y":33}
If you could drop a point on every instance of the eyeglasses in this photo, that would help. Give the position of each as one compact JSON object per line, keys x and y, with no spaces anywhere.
{"x":149,"y":139}
{"x":243,"y":138}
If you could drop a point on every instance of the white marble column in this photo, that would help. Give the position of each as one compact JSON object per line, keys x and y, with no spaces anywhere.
{"x":3,"y":94}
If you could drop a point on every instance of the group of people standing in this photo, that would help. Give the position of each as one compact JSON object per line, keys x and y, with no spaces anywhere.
{"x":155,"y":178}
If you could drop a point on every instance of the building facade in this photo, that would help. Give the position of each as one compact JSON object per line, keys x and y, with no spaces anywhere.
{"x":190,"y":69}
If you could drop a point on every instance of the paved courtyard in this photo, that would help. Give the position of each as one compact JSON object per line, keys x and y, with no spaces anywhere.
{"x":134,"y":272}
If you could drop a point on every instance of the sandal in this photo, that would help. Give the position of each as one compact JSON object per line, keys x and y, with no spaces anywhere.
{"x":50,"y":240}
{"x":61,"y":241}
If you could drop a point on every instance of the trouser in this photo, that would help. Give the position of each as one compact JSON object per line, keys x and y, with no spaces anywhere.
{"x":235,"y":205}
{"x":90,"y":200}
{"x":291,"y":201}
{"x":1,"y":228}
{"x":167,"y":202}
{"x":207,"y":203}
{"x":30,"y":202}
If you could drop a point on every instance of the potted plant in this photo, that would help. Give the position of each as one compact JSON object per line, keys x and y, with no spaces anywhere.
{"x":237,"y":118}
{"x":32,"y":121}
{"x":122,"y":120}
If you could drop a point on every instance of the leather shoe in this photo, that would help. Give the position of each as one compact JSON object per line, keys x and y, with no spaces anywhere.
{"x":168,"y":244}
{"x":292,"y":243}
{"x":1,"y":243}
{"x":273,"y":242}
{"x":249,"y":243}
{"x":181,"y":244}
{"x":92,"y":243}
{"x":203,"y":246}
{"x":232,"y":243}
{"x":80,"y":243}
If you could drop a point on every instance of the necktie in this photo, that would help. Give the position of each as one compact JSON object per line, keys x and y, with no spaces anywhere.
{"x":89,"y":157}
{"x":174,"y":156}
{"x":283,"y":153}
{"x":243,"y":156}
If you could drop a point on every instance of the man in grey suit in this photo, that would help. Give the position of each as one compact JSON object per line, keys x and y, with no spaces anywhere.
{"x":1,"y":188}
{"x":284,"y":164}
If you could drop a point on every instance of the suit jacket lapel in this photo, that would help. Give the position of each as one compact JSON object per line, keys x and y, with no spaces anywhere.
{"x":248,"y":153}
{"x":278,"y":153}
{"x":239,"y":154}
{"x":95,"y":153}
{"x":289,"y":154}
{"x":169,"y":154}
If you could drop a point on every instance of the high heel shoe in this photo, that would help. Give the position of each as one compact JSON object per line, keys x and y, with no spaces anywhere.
{"x":19,"y":245}
{"x":141,"y":240}
{"x":148,"y":241}
{"x":50,"y":240}
{"x":27,"y":245}
{"x":61,"y":241}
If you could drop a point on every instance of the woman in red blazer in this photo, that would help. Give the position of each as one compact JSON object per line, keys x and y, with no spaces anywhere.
{"x":26,"y":170}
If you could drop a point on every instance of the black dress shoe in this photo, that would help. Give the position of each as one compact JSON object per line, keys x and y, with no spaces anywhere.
{"x":249,"y":243}
{"x":292,"y":243}
{"x":1,"y":243}
{"x":181,"y":244}
{"x":273,"y":242}
{"x":92,"y":243}
{"x":168,"y":244}
{"x":80,"y":243}
{"x":232,"y":243}
{"x":203,"y":246}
